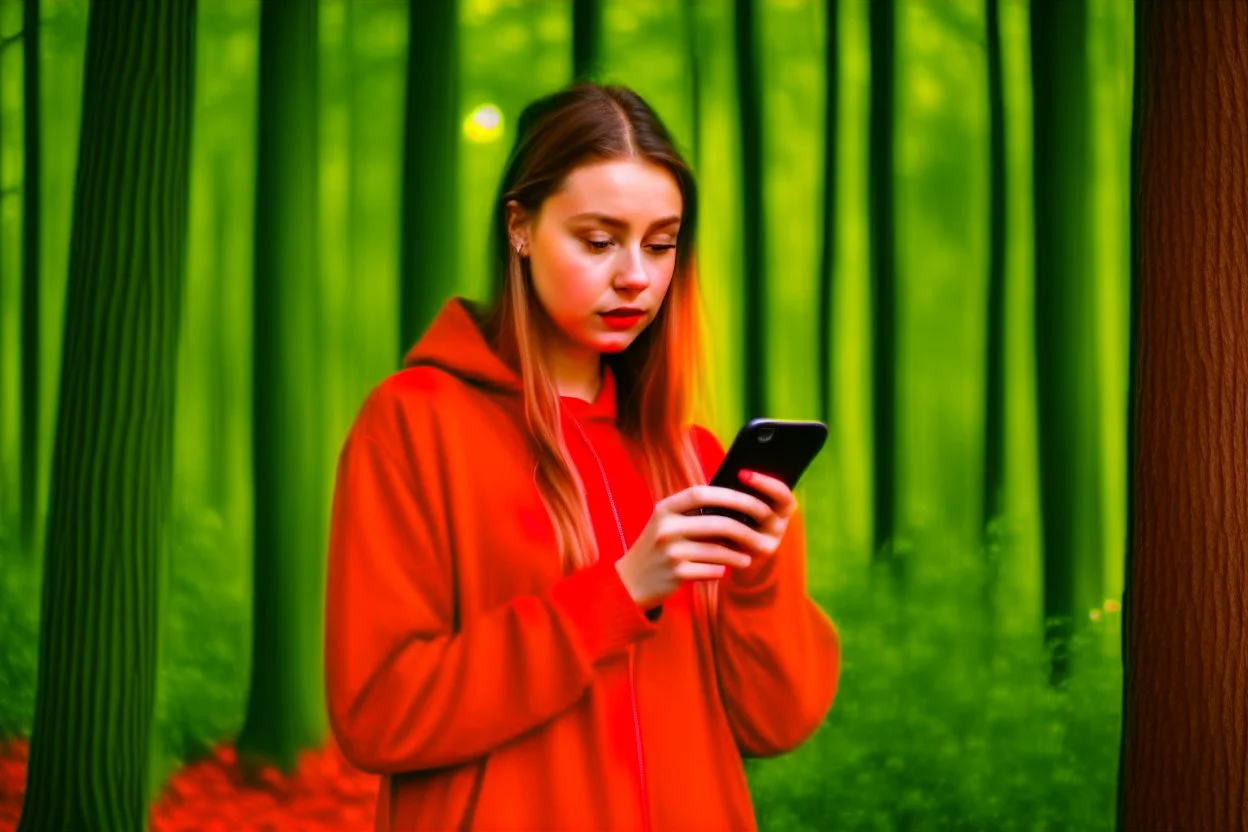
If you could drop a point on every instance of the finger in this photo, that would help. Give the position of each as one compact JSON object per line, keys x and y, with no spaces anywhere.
{"x":694,"y":498}
{"x":694,"y":571}
{"x":708,"y":527}
{"x":710,"y":552}
{"x":776,"y":491}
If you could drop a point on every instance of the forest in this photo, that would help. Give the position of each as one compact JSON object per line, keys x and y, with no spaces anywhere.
{"x":997,"y":246}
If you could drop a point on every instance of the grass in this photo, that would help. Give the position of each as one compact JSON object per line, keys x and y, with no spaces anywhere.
{"x":944,"y":718}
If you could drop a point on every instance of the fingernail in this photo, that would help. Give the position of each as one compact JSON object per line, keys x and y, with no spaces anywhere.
{"x":746,"y":476}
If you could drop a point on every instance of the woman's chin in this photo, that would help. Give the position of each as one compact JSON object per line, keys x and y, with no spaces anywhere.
{"x":616,"y":343}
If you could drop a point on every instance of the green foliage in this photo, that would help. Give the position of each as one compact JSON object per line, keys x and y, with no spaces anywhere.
{"x":927,"y":733}
{"x":19,"y":624}
{"x":202,"y":687}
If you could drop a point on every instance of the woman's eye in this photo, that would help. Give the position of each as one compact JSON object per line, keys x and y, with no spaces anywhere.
{"x":599,"y":245}
{"x":660,"y":248}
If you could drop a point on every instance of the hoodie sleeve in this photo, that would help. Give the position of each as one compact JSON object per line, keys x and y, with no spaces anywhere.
{"x":777,"y":654}
{"x":406,"y":687}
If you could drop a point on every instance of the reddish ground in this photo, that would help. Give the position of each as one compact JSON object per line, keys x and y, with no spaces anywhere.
{"x":325,"y":793}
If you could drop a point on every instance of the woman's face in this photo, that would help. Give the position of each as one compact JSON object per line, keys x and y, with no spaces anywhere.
{"x":604,"y":241}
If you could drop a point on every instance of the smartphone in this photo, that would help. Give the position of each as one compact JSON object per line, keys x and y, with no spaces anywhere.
{"x":779,"y":448}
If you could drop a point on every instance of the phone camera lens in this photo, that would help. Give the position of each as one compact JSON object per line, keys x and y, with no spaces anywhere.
{"x":765,"y":434}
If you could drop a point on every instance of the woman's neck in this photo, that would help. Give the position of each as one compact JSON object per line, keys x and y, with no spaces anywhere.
{"x":577,"y":376}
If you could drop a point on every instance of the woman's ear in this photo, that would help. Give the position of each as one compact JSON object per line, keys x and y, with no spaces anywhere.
{"x":518,"y":228}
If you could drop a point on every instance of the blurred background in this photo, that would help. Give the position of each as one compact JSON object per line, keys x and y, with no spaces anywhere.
{"x":915,"y":227}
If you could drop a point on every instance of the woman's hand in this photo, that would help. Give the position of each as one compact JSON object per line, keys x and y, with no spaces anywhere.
{"x":780,"y":506}
{"x":680,"y":544}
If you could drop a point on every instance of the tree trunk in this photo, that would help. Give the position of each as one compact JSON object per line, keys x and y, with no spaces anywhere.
{"x":586,"y":39}
{"x":430,"y":227}
{"x":113,"y":457}
{"x":285,"y":707}
{"x":29,"y":446}
{"x":994,"y":384}
{"x":1066,"y":380}
{"x":4,"y":380}
{"x":1185,"y":714}
{"x":218,"y":382}
{"x":354,"y":335}
{"x":994,"y":388}
{"x":883,"y":282}
{"x":827,"y":263}
{"x":753,"y":238}
{"x":693,"y":57}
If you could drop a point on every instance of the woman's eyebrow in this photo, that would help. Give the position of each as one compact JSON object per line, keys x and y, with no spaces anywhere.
{"x":612,"y":222}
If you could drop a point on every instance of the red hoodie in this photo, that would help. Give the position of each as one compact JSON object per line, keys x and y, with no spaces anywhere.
{"x":492,"y":691}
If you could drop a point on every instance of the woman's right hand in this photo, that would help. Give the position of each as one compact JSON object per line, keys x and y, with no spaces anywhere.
{"x":680,"y":544}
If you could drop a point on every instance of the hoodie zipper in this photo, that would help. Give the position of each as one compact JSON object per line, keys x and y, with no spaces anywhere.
{"x":632,"y":679}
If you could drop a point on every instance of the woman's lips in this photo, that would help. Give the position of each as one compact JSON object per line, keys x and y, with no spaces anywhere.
{"x":621,"y":321}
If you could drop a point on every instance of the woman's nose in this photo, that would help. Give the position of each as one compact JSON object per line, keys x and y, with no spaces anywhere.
{"x":632,"y":271}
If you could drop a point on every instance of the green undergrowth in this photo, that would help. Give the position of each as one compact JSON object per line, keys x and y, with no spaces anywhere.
{"x":946,"y":718}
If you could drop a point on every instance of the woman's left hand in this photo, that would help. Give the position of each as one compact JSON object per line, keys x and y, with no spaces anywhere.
{"x":781,"y":502}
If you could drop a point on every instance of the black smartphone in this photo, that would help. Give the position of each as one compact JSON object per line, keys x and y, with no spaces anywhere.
{"x":779,"y":448}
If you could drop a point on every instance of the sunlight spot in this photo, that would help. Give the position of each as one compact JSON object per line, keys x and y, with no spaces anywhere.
{"x":1111,"y":606}
{"x":1095,"y":615}
{"x":484,"y":124}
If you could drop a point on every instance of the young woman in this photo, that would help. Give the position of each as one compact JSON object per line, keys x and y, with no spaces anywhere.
{"x":528,"y":624}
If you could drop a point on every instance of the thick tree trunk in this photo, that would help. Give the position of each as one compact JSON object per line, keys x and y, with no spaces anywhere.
{"x":113,"y":457}
{"x":428,"y":262}
{"x":1067,"y":386}
{"x":883,"y":284}
{"x":286,"y":705}
{"x":29,"y":447}
{"x":586,"y":39}
{"x":1185,"y":637}
{"x":753,"y":238}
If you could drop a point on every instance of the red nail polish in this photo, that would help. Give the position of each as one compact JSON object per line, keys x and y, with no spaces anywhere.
{"x":746,"y":476}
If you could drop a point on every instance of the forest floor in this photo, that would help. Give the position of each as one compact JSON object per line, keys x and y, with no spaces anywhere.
{"x":213,"y":795}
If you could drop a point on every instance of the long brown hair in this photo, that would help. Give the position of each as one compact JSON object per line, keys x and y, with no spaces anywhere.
{"x":657,"y":377}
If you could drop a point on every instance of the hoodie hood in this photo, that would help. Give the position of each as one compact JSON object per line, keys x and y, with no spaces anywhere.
{"x":455,"y":344}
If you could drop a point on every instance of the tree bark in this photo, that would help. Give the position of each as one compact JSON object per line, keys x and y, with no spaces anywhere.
{"x":430,"y":229}
{"x":1184,"y":756}
{"x":113,"y":452}
{"x":286,"y":704}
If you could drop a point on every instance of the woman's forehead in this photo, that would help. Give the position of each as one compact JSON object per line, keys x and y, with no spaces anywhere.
{"x":634,"y":191}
